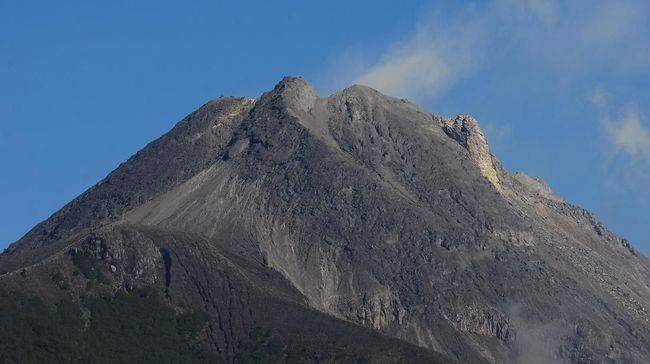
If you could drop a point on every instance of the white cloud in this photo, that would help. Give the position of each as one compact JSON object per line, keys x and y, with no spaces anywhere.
{"x":591,"y":35}
{"x":573,"y":38}
{"x":434,"y":58}
{"x":629,"y":135}
{"x":626,"y":134}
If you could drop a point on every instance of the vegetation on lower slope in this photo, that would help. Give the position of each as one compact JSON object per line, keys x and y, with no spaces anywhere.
{"x":137,"y":327}
{"x":134,"y":327}
{"x":261,"y":346}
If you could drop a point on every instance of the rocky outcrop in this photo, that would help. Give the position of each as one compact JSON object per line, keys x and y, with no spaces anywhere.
{"x":484,"y":322}
{"x":466,"y":131}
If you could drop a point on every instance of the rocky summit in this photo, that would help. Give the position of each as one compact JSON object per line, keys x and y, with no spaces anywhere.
{"x":347,"y":229}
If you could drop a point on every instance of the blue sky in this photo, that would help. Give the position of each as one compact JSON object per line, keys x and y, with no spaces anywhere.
{"x":561,"y":88}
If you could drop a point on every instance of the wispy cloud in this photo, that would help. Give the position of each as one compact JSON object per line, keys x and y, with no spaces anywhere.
{"x":435,"y":57}
{"x":629,"y":135}
{"x":626,"y":133}
{"x":574,"y":38}
{"x":587,"y":35}
{"x":626,"y":151}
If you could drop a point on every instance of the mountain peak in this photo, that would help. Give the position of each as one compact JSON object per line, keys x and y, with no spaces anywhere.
{"x":292,"y":80}
{"x":294,"y":93}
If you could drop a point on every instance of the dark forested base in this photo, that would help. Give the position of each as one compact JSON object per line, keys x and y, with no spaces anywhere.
{"x":133,"y":327}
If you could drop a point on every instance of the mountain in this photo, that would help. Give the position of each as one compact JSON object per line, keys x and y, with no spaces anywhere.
{"x":352,"y":228}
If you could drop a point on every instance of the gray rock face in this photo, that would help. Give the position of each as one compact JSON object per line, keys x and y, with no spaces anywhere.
{"x":372,"y":211}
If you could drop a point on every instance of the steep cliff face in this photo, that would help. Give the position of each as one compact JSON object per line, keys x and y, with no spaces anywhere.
{"x":362,"y":210}
{"x":466,"y":131}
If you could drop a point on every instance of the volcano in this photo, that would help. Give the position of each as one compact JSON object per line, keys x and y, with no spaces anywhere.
{"x":297,"y":228}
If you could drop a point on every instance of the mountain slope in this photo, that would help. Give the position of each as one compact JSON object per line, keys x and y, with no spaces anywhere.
{"x":359,"y":210}
{"x":190,"y":147}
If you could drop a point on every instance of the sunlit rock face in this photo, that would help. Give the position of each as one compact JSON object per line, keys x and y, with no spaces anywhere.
{"x":466,"y":131}
{"x":355,"y":211}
